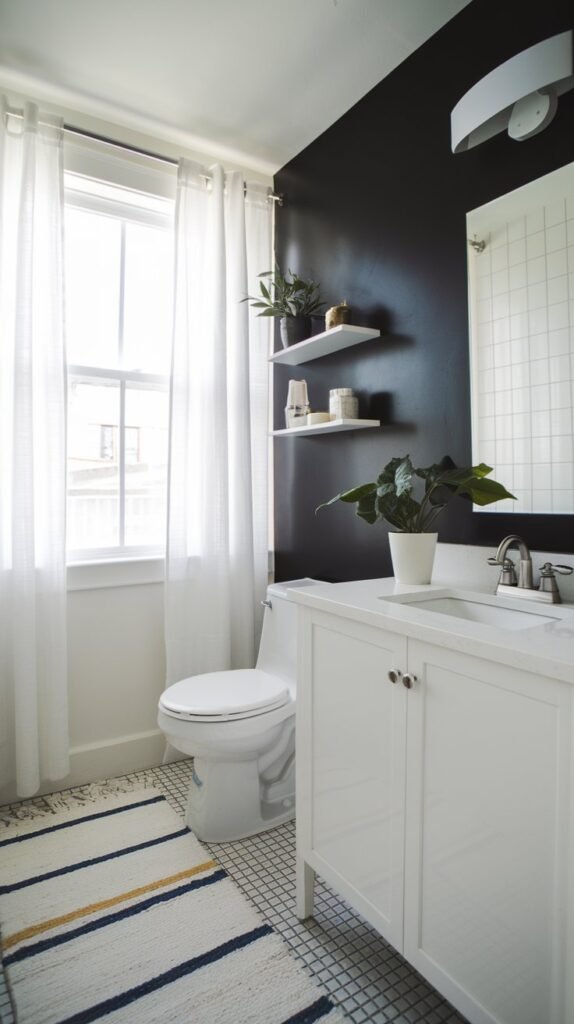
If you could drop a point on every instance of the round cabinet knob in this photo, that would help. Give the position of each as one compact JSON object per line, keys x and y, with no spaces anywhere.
{"x":408,"y":680}
{"x":394,"y":675}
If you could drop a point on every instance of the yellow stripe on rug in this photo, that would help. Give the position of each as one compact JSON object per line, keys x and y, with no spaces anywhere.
{"x":92,"y":908}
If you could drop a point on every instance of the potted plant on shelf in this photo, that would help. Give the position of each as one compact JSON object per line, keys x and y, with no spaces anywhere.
{"x":390,"y":498}
{"x":290,"y":298}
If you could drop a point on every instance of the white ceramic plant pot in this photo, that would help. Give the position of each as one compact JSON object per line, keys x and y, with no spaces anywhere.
{"x":413,"y":556}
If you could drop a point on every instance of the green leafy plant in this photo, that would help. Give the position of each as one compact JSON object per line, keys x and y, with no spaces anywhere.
{"x":286,"y":295}
{"x":391,"y":496}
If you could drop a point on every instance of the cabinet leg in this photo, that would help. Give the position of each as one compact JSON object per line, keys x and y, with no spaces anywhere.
{"x":305,"y":889}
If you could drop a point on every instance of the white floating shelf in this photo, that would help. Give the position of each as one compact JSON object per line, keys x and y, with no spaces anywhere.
{"x":333,"y":340}
{"x":332,"y":427}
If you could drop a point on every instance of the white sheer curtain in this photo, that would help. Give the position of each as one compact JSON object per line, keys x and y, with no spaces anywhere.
{"x":217,"y":518}
{"x":33,"y":683}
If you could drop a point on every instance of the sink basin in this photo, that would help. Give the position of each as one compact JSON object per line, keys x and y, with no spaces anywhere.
{"x":482,"y":608}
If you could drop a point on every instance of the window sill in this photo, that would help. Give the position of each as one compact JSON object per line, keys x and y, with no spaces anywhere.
{"x":119,"y":572}
{"x":123,"y":572}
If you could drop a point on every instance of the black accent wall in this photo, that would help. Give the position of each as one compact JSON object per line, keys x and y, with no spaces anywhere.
{"x":375,"y":211}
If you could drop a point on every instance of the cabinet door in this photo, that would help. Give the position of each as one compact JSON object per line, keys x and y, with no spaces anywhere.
{"x":351,"y":756}
{"x":486,"y":835}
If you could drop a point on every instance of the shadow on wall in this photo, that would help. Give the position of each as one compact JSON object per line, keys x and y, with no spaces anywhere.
{"x":380,"y":406}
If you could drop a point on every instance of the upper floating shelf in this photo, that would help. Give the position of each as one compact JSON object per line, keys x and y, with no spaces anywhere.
{"x":323,"y":344}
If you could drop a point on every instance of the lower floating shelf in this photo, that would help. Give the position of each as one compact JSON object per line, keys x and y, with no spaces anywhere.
{"x":332,"y":427}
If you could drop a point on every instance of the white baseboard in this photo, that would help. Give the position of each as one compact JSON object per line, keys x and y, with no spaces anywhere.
{"x":95,"y":761}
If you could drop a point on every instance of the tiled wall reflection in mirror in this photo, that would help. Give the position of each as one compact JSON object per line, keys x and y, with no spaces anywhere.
{"x":521,"y":314}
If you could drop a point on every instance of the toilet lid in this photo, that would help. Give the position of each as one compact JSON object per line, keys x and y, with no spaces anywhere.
{"x":236,"y":693}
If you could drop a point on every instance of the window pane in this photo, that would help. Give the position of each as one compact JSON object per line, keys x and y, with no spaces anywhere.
{"x":93,"y":461}
{"x":93,"y":252}
{"x":146,"y":466}
{"x":148,"y":299}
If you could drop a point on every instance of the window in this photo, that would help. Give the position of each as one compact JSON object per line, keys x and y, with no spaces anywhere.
{"x":118,"y":277}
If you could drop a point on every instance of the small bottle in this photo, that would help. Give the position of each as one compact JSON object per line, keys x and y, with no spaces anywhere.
{"x":343,"y":404}
{"x":297,"y":404}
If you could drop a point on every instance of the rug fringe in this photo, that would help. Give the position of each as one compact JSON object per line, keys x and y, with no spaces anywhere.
{"x":67,"y":800}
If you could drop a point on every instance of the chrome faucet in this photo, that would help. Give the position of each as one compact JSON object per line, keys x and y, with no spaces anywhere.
{"x":523,"y":586}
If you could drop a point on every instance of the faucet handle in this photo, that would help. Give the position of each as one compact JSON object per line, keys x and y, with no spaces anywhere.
{"x":507,"y":572}
{"x":548,"y":584}
{"x":548,"y":569}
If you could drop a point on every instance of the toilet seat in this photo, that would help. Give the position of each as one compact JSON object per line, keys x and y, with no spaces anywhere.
{"x":224,"y":696}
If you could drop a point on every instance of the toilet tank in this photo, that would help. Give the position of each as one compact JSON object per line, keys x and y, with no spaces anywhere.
{"x":278,"y":647}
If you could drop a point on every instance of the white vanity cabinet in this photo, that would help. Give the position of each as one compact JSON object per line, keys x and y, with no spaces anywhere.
{"x":351,"y":767}
{"x":442,"y":812}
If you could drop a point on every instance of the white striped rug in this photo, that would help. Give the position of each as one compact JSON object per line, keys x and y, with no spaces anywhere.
{"x":116,"y":912}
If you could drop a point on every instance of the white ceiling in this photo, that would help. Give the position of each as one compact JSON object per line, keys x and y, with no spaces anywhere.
{"x":257,"y":80}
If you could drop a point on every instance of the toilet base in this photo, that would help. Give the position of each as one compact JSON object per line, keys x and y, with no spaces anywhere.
{"x":231,"y":800}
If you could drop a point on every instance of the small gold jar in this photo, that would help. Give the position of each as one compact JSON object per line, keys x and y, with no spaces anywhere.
{"x":337,"y":315}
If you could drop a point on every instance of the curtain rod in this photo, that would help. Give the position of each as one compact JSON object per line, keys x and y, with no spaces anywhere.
{"x":72,"y":130}
{"x":83,"y":133}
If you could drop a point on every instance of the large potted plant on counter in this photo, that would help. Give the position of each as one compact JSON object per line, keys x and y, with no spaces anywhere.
{"x":391,"y":498}
{"x":290,"y":298}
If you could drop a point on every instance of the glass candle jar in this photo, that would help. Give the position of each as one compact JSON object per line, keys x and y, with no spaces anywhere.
{"x":343,"y":404}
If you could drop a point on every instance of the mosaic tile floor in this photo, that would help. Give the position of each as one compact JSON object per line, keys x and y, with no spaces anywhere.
{"x":365,"y":976}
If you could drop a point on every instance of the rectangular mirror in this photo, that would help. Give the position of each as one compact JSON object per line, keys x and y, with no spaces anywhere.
{"x":521,"y":313}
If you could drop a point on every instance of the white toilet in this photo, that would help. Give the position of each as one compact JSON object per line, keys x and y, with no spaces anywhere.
{"x":239,"y":726}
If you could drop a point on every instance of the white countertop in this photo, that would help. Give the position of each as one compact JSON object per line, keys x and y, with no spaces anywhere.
{"x":547,"y":649}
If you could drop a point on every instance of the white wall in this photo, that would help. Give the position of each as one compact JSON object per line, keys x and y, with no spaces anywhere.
{"x":116,"y":666}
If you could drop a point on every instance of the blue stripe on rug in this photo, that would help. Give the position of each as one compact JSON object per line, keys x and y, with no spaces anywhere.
{"x":89,"y":863}
{"x":118,"y":915}
{"x":92,"y":1013}
{"x":79,"y":821}
{"x":311,"y":1013}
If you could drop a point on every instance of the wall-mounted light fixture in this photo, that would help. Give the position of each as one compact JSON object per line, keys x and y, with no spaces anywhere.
{"x":520,"y":96}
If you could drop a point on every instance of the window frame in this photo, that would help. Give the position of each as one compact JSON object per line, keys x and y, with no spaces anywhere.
{"x":81,"y":198}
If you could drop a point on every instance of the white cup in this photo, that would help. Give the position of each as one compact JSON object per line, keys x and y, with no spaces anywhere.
{"x":297,"y":404}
